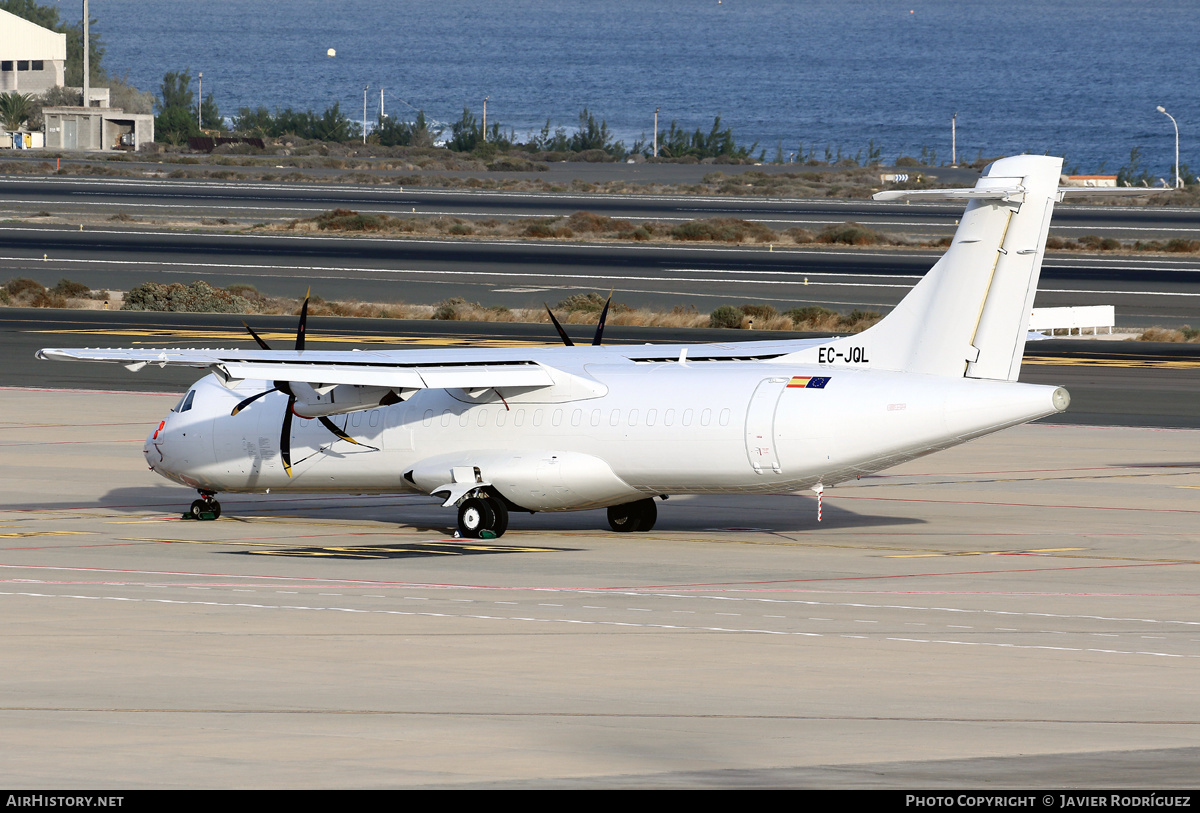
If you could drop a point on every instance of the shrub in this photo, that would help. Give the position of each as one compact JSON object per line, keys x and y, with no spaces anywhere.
{"x":1182,"y":245}
{"x":590,"y":303}
{"x":69,"y":289}
{"x":23,"y":285}
{"x":727,"y":316}
{"x":759,"y":312}
{"x":448,"y":309}
{"x":851,"y":234}
{"x":589,"y":222}
{"x":722,"y":229}
{"x":542,"y":228}
{"x":348,"y":220}
{"x":809,"y":313}
{"x":199,"y":297}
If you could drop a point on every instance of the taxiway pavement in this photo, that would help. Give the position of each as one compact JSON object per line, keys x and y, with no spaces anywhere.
{"x":1018,"y":612}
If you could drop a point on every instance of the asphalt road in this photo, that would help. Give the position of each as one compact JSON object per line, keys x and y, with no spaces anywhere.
{"x":252,"y":202}
{"x":1145,"y":290}
{"x":1111,"y":383}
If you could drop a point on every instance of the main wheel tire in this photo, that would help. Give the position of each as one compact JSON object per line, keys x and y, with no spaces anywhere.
{"x":500,"y":513}
{"x":649,"y":515}
{"x":475,"y":516}
{"x":215,"y":508}
{"x":197,"y":509}
{"x":633,"y":516}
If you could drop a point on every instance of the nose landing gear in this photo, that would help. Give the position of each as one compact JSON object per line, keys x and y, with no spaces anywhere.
{"x":205,"y":508}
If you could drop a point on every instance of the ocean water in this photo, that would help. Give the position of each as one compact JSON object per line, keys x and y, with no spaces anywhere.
{"x":1079,"y":78}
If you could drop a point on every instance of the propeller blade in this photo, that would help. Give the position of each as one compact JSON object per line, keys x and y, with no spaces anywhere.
{"x":257,"y":338}
{"x":251,"y":400}
{"x":303,"y":321}
{"x":600,"y":324}
{"x":333,"y":427}
{"x":562,"y":334}
{"x":285,"y":437}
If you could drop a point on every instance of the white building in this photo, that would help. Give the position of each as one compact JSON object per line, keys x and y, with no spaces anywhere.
{"x":32,"y":59}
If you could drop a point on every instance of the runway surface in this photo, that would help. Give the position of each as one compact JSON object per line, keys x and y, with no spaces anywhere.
{"x":1019,"y":612}
{"x":1146,"y":291}
{"x":248,"y":201}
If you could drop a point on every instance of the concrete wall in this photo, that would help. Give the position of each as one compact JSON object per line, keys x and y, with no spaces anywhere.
{"x":96,"y":128}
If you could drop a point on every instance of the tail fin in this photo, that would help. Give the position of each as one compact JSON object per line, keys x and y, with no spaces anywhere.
{"x":968,"y":316}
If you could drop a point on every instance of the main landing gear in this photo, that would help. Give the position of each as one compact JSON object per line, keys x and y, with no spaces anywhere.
{"x":633,"y":516}
{"x":482,"y":516}
{"x":205,"y":508}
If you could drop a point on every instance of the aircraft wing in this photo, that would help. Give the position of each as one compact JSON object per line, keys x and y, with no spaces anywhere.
{"x":410,"y":370}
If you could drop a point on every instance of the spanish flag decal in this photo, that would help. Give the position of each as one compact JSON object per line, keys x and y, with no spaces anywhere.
{"x":809,"y":382}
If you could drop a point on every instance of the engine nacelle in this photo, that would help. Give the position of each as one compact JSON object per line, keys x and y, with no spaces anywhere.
{"x":316,"y":402}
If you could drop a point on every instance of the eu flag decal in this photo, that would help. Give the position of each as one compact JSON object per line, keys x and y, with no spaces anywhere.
{"x":809,"y":382}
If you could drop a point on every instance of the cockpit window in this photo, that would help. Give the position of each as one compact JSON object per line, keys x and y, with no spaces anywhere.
{"x":185,"y":403}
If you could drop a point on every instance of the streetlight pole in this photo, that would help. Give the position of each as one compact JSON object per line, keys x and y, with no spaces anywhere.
{"x":656,"y":132}
{"x":1162,"y":110}
{"x":365,"y":89}
{"x":485,"y":101}
{"x":87,"y":57}
{"x":200,"y":100}
{"x":954,"y":140}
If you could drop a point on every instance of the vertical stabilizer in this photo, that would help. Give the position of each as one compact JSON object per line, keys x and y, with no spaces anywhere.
{"x":968,"y":316}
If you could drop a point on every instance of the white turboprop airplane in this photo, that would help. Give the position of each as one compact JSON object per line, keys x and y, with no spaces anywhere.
{"x":571,"y":428}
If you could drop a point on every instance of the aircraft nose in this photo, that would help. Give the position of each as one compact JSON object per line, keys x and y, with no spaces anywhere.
{"x":152,"y":449}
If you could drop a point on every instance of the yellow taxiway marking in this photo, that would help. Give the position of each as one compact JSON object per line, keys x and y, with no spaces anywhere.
{"x":23,"y":534}
{"x":1079,"y":361}
{"x":284,"y":337}
{"x":983,"y":553}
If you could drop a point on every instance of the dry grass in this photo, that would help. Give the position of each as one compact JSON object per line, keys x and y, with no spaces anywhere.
{"x":1163,"y":334}
{"x":590,"y":226}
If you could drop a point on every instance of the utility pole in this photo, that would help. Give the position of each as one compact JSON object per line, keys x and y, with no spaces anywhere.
{"x":954,"y":140}
{"x":656,"y":132}
{"x":200,"y":101}
{"x":365,"y":89}
{"x":485,"y":100}
{"x":381,"y":105}
{"x":87,"y":58}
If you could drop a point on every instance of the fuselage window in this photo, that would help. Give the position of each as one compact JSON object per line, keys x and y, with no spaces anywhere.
{"x":500,"y":413}
{"x":632,"y":412}
{"x":482,"y":412}
{"x":687,"y":413}
{"x":576,"y":417}
{"x":595,"y":412}
{"x":373,"y":418}
{"x":445,"y":417}
{"x":519,"y":420}
{"x":556,"y":420}
{"x":669,"y":417}
{"x":613,"y":419}
{"x":463,"y":418}
{"x":705,"y":416}
{"x":724,"y":417}
{"x":426,"y":421}
{"x":651,"y":414}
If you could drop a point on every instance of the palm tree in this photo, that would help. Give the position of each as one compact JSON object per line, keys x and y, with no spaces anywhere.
{"x":15,"y":109}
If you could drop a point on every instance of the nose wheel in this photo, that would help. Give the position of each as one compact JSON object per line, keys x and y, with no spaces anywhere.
{"x":205,"y":508}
